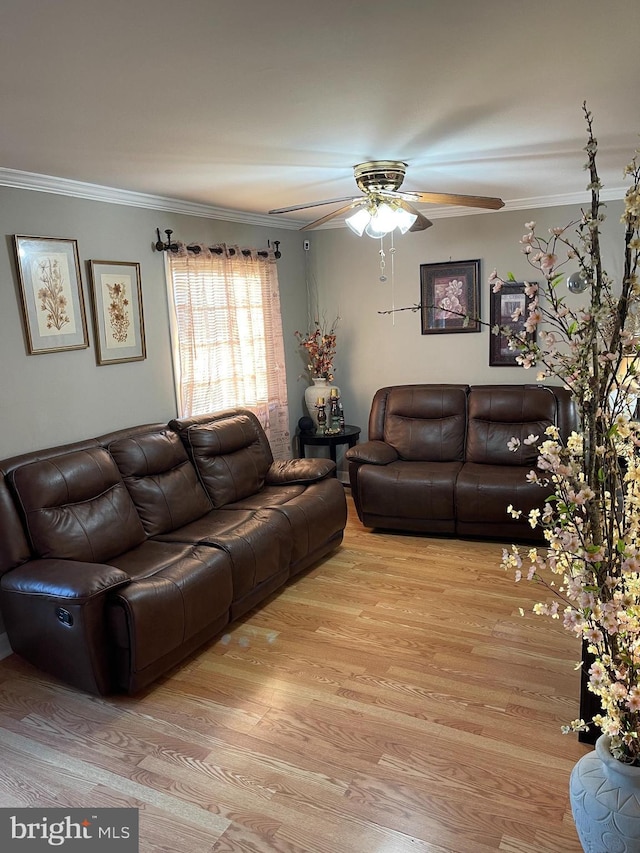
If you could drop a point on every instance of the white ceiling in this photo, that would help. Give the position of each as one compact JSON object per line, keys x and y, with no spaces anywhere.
{"x":248,"y":106}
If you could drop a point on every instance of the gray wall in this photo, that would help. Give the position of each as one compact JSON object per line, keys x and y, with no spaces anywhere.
{"x":53,"y":398}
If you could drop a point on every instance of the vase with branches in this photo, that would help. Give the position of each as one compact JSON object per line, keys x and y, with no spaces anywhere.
{"x":319,"y":345}
{"x":591,"y":565}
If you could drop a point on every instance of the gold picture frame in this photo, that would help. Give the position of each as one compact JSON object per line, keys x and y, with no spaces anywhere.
{"x":118,"y":320}
{"x":51,"y":295}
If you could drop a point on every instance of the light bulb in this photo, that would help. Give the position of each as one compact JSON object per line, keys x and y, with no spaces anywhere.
{"x":382,"y":222}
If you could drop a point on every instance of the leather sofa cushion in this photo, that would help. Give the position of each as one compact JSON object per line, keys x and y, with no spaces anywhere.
{"x":483,"y":493}
{"x":316,"y":512}
{"x":258,"y":542}
{"x":499,"y":413}
{"x":161,"y":480}
{"x":230,"y":457}
{"x":177,"y":591}
{"x":426,"y":423}
{"x":412,"y":490}
{"x":77,"y":507}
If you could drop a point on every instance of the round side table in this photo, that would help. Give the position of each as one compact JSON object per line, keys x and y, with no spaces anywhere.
{"x":348,"y":436}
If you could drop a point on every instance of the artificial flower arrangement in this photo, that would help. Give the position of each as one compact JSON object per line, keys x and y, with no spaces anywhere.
{"x":320,"y":347}
{"x":591,"y":564}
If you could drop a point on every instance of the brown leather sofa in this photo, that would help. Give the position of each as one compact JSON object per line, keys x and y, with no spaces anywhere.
{"x":437,"y":459}
{"x":123,"y":554}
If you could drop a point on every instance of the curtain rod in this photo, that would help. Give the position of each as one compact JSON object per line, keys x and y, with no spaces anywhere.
{"x":218,"y":250}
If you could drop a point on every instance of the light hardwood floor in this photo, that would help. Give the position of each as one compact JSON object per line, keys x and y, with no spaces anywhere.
{"x":390,"y":700}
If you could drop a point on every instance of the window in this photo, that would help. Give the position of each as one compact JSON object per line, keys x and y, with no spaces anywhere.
{"x":227,"y":337}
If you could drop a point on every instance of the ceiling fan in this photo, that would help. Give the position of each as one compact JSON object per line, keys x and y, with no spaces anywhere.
{"x":384,"y":206}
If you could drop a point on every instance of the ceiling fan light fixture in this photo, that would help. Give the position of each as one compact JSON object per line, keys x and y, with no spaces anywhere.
{"x":379,"y":219}
{"x":382,"y":221}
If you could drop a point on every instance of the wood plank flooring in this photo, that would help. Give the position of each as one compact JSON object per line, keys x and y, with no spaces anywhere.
{"x":390,"y":700}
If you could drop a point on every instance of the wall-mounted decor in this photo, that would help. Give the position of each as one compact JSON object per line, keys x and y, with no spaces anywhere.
{"x":51,"y":294}
{"x":117,"y":311}
{"x":450,"y":297}
{"x":509,"y":307}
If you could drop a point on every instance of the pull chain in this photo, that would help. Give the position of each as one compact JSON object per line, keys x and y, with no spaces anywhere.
{"x":383,"y":275}
{"x":392,"y":252}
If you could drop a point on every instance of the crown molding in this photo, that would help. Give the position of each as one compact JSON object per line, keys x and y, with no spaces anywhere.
{"x":96,"y":192}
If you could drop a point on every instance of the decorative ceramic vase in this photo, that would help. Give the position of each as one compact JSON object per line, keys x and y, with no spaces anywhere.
{"x":605,"y":801}
{"x":320,"y":390}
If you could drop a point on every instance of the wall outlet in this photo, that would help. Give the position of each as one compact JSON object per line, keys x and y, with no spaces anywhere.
{"x":306,"y":244}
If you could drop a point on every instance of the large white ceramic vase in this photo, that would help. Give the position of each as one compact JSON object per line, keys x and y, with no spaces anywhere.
{"x":605,"y":801}
{"x":320,"y":389}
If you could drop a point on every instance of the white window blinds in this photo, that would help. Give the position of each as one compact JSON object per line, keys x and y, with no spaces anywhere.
{"x":227,"y":337}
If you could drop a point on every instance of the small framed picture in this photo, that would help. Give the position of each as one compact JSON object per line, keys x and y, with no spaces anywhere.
{"x":450,"y":297}
{"x":51,"y":294}
{"x":116,"y":295}
{"x":509,"y":309}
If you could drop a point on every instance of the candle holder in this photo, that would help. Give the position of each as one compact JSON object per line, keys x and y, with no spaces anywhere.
{"x":322,"y":416}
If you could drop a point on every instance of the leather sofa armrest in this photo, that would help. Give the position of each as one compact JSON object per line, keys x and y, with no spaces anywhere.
{"x":373,"y":453}
{"x":63,"y":579}
{"x":299,"y":471}
{"x":57,"y":617}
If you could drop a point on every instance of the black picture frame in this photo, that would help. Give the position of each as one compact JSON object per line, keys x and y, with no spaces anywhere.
{"x":510,"y":298}
{"x":450,"y":297}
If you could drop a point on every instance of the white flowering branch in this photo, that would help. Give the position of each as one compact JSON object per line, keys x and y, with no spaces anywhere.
{"x":591,"y":566}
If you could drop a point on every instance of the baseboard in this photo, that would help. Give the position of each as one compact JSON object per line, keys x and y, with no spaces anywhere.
{"x":5,"y":648}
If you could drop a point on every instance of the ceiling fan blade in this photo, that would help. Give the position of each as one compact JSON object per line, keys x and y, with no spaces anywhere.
{"x":354,"y":203}
{"x":487,"y":202}
{"x":421,"y":222}
{"x":313,"y":204}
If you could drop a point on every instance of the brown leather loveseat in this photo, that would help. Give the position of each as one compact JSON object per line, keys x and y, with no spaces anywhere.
{"x":437,"y":459}
{"x":123,"y":554}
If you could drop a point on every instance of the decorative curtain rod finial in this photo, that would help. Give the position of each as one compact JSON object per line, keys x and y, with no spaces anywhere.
{"x":168,"y":246}
{"x":276,"y":253}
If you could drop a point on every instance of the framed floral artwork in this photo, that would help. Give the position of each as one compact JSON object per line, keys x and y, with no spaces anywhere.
{"x":116,"y":295}
{"x":51,"y":294}
{"x":508,"y":310}
{"x":450,"y":297}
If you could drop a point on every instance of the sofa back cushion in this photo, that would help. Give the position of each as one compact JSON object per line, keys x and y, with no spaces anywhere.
{"x":425,"y":422}
{"x":76,"y":506}
{"x":498,"y":413}
{"x":14,"y":548}
{"x":230,"y":452}
{"x":161,"y":479}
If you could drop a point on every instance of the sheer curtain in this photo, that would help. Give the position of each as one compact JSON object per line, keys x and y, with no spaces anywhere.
{"x":226,"y":331}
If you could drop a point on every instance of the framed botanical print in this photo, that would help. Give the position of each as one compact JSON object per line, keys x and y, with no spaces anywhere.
{"x":450,"y":297}
{"x":509,"y":309}
{"x":116,"y":295}
{"x":51,"y":294}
